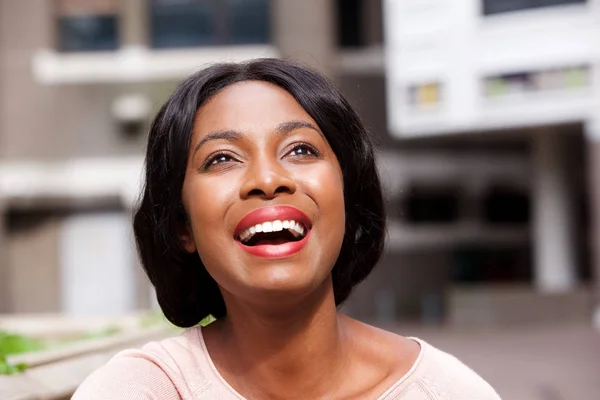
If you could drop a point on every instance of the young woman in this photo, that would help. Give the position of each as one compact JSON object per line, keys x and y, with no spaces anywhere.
{"x":263,"y":208}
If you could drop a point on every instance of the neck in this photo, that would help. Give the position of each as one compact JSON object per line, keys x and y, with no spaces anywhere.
{"x":266,"y":352}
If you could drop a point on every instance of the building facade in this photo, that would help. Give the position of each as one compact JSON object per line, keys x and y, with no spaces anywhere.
{"x":509,"y":71}
{"x":80,"y":80}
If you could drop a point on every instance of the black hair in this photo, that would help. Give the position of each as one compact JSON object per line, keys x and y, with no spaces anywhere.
{"x":185,"y":290}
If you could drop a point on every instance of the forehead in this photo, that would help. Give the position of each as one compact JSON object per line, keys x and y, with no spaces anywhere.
{"x":248,"y":106}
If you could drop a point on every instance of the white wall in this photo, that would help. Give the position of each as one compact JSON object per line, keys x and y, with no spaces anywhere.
{"x":454,"y":44}
{"x":96,"y":263}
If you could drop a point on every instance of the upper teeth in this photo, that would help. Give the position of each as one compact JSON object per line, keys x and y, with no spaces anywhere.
{"x":296,"y":228}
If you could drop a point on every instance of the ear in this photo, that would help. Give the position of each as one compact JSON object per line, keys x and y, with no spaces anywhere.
{"x":186,"y":237}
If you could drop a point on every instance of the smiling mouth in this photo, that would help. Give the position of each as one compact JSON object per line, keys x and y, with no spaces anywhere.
{"x":273,"y":233}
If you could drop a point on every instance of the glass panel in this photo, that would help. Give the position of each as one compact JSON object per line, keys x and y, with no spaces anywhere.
{"x":349,"y":23}
{"x":249,"y":21}
{"x":503,"y":204}
{"x":87,"y":33}
{"x":481,"y":263}
{"x":558,"y":79}
{"x":431,"y":204}
{"x":426,"y":96}
{"x":502,"y":6}
{"x":182,"y":23}
{"x":190,"y":23}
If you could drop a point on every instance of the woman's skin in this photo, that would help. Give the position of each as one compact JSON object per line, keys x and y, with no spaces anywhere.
{"x":253,"y":146}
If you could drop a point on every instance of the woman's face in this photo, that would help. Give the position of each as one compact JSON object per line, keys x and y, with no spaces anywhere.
{"x":263,"y":192}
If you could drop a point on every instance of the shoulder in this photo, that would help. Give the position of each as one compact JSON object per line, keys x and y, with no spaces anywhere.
{"x":444,"y":377}
{"x":169,"y":369}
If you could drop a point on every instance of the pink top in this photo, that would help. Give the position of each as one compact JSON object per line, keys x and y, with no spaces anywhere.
{"x":181,"y":368}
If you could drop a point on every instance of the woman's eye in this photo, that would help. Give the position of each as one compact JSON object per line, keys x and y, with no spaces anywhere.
{"x":218,"y":159}
{"x":303,"y":150}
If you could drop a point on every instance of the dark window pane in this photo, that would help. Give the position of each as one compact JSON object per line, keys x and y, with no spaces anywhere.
{"x":190,"y":23}
{"x":502,"y":6}
{"x":431,"y":204}
{"x":349,"y":23}
{"x":506,"y":205}
{"x":182,"y":23}
{"x":87,"y":33}
{"x":249,"y":21}
{"x":482,"y":264}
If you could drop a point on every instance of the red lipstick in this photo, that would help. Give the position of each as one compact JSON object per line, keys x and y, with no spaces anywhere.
{"x":269,"y":214}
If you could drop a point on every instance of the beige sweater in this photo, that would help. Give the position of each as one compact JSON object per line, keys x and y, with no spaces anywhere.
{"x":181,"y":368}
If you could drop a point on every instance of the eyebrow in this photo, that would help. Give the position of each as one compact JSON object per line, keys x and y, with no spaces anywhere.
{"x":290,"y":126}
{"x":230,"y":135}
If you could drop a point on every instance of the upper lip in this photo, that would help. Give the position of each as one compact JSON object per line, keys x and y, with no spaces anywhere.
{"x":271,"y":213}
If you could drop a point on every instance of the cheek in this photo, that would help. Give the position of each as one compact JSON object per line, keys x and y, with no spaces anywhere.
{"x":325,"y":185}
{"x":206,"y":201}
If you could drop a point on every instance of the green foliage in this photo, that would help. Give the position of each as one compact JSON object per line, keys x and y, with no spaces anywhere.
{"x":9,"y":369}
{"x":207,"y":321}
{"x":15,"y":344}
{"x":11,"y":343}
{"x":156,"y":318}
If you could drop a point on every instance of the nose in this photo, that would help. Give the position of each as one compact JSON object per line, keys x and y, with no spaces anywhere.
{"x":267,"y":179}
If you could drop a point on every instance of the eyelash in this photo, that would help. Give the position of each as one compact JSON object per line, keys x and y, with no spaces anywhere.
{"x":211,"y":160}
{"x":312,"y":149}
{"x":313,"y":153}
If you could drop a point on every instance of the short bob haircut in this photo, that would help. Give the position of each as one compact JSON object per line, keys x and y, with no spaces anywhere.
{"x":185,"y":290}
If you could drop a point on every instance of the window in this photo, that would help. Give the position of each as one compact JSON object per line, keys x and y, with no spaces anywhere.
{"x":191,"y":23}
{"x":502,"y":6}
{"x":504,"y":204}
{"x":490,"y":264}
{"x":424,"y":96}
{"x":249,"y":21}
{"x":359,"y":23}
{"x":562,"y":79}
{"x":427,"y":204}
{"x":350,"y":24}
{"x":87,"y":25}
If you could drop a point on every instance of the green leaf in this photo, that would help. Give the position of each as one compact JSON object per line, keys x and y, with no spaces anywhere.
{"x":16,"y":344}
{"x":207,"y":321}
{"x":9,"y":369}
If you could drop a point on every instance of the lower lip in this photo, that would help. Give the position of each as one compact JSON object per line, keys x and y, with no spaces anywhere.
{"x":276,"y":250}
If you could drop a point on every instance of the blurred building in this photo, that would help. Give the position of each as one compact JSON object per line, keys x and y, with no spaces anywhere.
{"x":80,"y":80}
{"x":489,"y":172}
{"x":508,"y":222}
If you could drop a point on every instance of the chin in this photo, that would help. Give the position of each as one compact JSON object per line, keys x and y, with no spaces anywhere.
{"x":285,"y":279}
{"x":283,"y":285}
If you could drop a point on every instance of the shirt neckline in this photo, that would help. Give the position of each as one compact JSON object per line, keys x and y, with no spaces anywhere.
{"x":400,"y":382}
{"x":389,"y":391}
{"x":214,"y":369}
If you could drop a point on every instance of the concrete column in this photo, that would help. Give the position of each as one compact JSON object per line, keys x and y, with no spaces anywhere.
{"x":373,"y":22}
{"x":134,"y":23}
{"x":5,"y":278}
{"x":305,"y":31}
{"x":554,"y":253}
{"x":592,"y":135}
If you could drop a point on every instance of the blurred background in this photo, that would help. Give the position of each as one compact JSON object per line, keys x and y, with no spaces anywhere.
{"x":486,"y":114}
